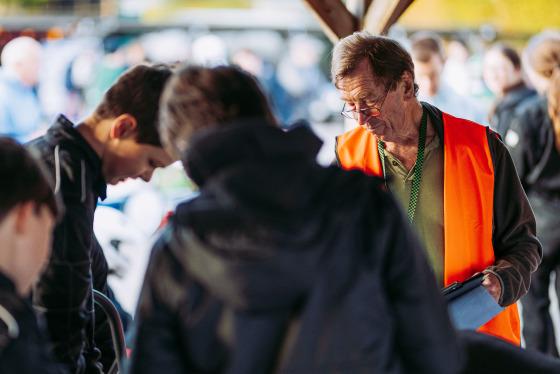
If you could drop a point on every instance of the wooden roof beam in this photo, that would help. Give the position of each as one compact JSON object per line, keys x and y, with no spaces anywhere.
{"x":335,"y":19}
{"x":382,"y":14}
{"x":397,"y":13}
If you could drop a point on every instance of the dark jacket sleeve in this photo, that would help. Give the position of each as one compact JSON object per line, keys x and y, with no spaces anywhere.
{"x":28,"y":351}
{"x":426,"y":336}
{"x":531,"y":125}
{"x":174,"y":329}
{"x":517,"y":250}
{"x":63,"y":290}
{"x":156,"y":342}
{"x":101,"y":328}
{"x":519,"y":152}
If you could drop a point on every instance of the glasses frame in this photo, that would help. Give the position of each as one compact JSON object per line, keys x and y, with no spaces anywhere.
{"x":354,"y":114}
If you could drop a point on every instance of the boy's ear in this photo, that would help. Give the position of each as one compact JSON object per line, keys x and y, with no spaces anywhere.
{"x":123,"y":126}
{"x":23,"y":213}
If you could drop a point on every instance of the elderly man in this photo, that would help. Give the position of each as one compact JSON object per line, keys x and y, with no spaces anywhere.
{"x":454,"y":176}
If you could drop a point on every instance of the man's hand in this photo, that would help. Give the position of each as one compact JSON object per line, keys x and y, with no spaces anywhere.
{"x":492,"y":284}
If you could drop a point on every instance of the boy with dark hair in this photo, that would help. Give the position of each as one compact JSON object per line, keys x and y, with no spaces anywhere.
{"x":28,"y":210}
{"x":118,"y":141}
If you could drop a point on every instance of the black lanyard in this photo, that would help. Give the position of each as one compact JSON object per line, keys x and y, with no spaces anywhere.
{"x":417,"y":167}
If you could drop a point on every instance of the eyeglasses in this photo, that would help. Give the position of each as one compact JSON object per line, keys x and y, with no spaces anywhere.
{"x":369,"y":112}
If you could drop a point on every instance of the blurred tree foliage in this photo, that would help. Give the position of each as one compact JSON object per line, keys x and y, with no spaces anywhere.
{"x":213,"y":3}
{"x":27,"y":3}
{"x":506,"y":16}
{"x":42,"y":3}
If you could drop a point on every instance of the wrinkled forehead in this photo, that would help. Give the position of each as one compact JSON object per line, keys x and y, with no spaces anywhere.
{"x":360,"y":86}
{"x":366,"y":92}
{"x":362,"y":69}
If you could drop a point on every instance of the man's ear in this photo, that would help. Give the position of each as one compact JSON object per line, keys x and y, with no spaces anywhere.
{"x":123,"y":126}
{"x":408,"y":84}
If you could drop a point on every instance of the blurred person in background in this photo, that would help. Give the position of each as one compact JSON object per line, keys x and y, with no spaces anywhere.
{"x":503,"y":75}
{"x":28,"y":213}
{"x":117,"y":141}
{"x":300,"y":74}
{"x":457,"y":69}
{"x":536,"y":154}
{"x":20,"y":112}
{"x":428,"y":55}
{"x":209,"y":50}
{"x":278,"y":266}
{"x":264,"y":71}
{"x":120,"y":53}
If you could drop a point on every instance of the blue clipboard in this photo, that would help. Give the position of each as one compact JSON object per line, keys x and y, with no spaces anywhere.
{"x":470,"y":305}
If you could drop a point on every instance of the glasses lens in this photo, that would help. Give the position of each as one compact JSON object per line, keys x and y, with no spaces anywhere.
{"x":354,"y":114}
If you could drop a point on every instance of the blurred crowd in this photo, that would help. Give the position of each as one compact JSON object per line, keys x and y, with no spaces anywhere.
{"x":487,"y":80}
{"x":72,"y":73}
{"x":69,"y":73}
{"x":465,"y":74}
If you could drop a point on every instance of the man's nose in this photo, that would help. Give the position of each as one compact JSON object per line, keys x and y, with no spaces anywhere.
{"x":361,"y":118}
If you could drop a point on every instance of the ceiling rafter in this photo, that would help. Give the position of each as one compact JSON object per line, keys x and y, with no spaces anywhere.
{"x":337,"y":21}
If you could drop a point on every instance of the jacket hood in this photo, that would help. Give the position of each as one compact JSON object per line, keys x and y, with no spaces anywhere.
{"x":262,"y":229}
{"x":515,"y":96}
{"x":218,"y":148}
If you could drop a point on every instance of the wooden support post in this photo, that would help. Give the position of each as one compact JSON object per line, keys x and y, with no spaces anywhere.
{"x":399,"y":10}
{"x":382,"y":14}
{"x":335,"y":19}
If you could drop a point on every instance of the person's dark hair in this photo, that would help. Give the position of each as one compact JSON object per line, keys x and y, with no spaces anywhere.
{"x":425,"y":44}
{"x":508,"y":52}
{"x":23,"y":179}
{"x":387,"y":58}
{"x":543,"y":56}
{"x":137,"y":92}
{"x":198,"y":97}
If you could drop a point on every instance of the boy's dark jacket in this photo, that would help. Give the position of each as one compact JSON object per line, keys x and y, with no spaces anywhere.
{"x":77,"y":264}
{"x":23,"y":343}
{"x":281,"y":265}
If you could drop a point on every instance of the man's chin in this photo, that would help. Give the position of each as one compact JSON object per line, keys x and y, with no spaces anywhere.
{"x":375,"y":130}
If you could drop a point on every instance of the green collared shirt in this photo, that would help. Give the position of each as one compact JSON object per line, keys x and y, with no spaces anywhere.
{"x":428,"y":218}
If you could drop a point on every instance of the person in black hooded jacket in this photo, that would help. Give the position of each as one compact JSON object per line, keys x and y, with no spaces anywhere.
{"x":503,"y":74}
{"x":536,"y":155}
{"x":279,"y":265}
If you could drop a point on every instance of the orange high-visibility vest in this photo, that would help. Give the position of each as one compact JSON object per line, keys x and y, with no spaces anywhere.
{"x":467,"y":203}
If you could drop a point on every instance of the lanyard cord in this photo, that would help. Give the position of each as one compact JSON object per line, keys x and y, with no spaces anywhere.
{"x":417,"y":167}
